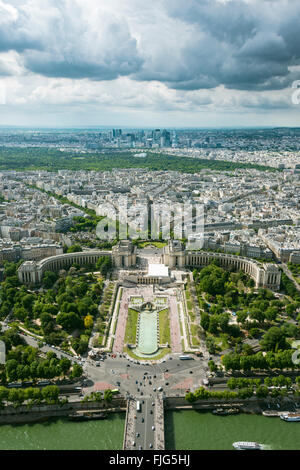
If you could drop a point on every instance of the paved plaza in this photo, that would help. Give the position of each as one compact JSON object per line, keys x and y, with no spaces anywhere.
{"x":148,"y":334}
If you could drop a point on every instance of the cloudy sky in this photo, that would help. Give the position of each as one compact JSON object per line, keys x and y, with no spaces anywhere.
{"x":149,"y":63}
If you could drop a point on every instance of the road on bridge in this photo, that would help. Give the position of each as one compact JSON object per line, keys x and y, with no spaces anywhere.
{"x":145,"y":421}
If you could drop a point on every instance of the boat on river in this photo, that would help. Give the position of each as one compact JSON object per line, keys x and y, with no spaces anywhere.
{"x":225,"y":412}
{"x":245,"y":445}
{"x":86,"y":416}
{"x":292,"y":417}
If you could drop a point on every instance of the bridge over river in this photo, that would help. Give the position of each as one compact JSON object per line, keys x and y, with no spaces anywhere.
{"x":144,"y":429}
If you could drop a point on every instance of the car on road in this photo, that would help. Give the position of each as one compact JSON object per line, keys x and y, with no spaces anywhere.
{"x":140,"y":447}
{"x":133,"y":444}
{"x":143,"y":420}
{"x":153,"y":428}
{"x":137,"y":434}
{"x":153,"y":403}
{"x":151,"y":412}
{"x":154,"y":390}
{"x":150,"y":445}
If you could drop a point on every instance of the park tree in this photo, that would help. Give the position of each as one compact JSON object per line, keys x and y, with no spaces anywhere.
{"x":291,"y":309}
{"x":108,"y":396}
{"x":88,"y":322}
{"x":69,"y":321}
{"x":241,"y":316}
{"x":11,"y":370}
{"x":49,"y":279}
{"x":262,"y":392}
{"x":20,"y":313}
{"x":213,"y":324}
{"x":190,"y":397}
{"x":64,"y":365}
{"x":205,"y":321}
{"x":74,"y":249}
{"x":274,"y":339}
{"x":212,"y":366}
{"x":50,"y":393}
{"x":223,"y":321}
{"x":27,"y":301}
{"x":76,"y":371}
{"x":271,"y":313}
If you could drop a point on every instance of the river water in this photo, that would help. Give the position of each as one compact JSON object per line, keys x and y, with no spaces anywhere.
{"x":188,"y":430}
{"x":184,"y":430}
{"x":61,"y":434}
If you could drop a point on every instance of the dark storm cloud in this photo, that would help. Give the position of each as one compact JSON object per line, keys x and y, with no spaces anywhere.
{"x":66,"y":39}
{"x":101,"y":49}
{"x":187,"y":45}
{"x":242,"y":46}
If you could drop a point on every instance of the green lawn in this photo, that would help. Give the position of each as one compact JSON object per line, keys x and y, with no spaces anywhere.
{"x":160,"y":354}
{"x":131,"y":325}
{"x":195,"y":337}
{"x":164,"y":327}
{"x":156,"y":244}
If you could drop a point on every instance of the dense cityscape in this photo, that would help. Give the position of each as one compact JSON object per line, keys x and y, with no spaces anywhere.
{"x":76,"y":300}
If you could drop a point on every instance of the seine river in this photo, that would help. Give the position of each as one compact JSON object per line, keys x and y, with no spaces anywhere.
{"x":185,"y":430}
{"x":61,"y":434}
{"x":188,"y":430}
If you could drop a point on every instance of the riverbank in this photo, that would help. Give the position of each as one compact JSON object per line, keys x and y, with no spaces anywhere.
{"x":249,"y":405}
{"x":22,"y":415}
